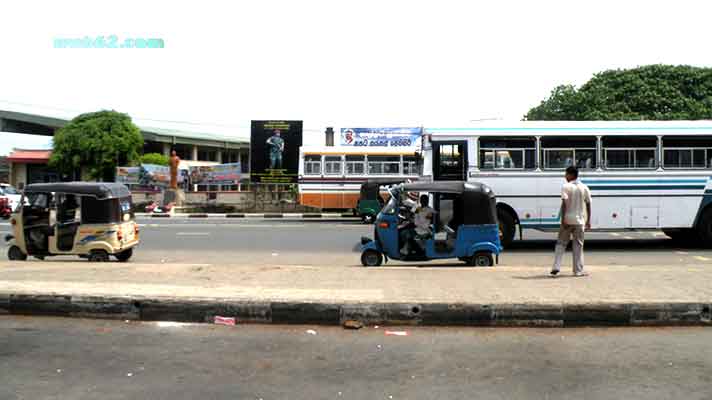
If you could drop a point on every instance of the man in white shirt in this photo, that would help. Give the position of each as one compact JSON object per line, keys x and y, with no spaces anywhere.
{"x":575,"y":219}
{"x":423,"y":217}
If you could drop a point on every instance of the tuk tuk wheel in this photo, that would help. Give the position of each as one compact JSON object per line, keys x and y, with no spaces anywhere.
{"x":371,"y":258}
{"x":15,"y":254}
{"x":482,"y":259}
{"x":124,"y":255}
{"x":98,"y":256}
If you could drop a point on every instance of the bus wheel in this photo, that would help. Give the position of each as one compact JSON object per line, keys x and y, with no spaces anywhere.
{"x":371,"y":258}
{"x":482,"y":259}
{"x":683,"y":237}
{"x":507,"y":228}
{"x":704,"y":228}
{"x":15,"y":254}
{"x":98,"y":256}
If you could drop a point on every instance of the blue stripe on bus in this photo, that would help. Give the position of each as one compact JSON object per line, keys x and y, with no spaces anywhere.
{"x":632,"y":128}
{"x":622,"y":181}
{"x":646,"y":187}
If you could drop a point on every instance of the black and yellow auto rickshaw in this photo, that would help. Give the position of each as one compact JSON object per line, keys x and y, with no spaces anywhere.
{"x":93,"y":220}
{"x":371,"y":199}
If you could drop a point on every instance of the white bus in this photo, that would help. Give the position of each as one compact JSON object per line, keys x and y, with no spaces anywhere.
{"x":642,"y":174}
{"x":330,"y":177}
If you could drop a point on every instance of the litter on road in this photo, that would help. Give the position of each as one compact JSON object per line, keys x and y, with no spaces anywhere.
{"x":396,"y":333}
{"x":311,"y":331}
{"x":229,"y":321}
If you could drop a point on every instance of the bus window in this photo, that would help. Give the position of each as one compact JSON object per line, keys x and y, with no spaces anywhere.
{"x":312,"y":165}
{"x":332,"y":165}
{"x":355,"y":165}
{"x":562,"y":152}
{"x":687,"y":152}
{"x":449,"y":160}
{"x":621,"y":152}
{"x":383,"y":165}
{"x":410,"y":165}
{"x":507,"y":153}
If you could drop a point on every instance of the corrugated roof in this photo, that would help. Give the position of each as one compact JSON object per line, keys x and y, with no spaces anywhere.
{"x":29,"y":156}
{"x":172,"y":132}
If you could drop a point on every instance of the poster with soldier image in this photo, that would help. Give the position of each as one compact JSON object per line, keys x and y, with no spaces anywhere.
{"x":274,"y":151}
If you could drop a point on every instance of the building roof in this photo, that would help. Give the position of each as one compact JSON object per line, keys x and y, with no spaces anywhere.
{"x":29,"y":156}
{"x":25,"y":120}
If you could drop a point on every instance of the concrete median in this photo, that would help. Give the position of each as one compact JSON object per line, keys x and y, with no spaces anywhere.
{"x":426,"y":314}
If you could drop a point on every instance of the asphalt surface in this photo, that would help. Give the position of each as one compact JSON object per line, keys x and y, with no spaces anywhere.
{"x":54,"y":358}
{"x":286,"y":242}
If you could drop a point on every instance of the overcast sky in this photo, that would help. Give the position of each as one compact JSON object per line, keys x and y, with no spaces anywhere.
{"x":356,"y":63}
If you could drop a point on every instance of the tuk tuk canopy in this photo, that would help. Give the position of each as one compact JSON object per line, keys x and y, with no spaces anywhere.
{"x":477,"y":201}
{"x":98,"y":190}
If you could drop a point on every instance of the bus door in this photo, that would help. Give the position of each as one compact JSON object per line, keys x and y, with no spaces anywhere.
{"x":450,"y":160}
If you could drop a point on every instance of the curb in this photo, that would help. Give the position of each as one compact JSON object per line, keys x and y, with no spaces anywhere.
{"x":346,"y":216}
{"x":324,"y":313}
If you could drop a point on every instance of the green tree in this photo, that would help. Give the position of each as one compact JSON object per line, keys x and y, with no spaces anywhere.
{"x":653,"y":92}
{"x":154,"y":158}
{"x":99,"y":141}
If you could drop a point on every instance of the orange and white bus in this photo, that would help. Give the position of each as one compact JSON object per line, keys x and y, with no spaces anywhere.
{"x":330,"y":177}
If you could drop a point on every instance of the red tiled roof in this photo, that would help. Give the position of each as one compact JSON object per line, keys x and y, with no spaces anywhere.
{"x":30,"y":156}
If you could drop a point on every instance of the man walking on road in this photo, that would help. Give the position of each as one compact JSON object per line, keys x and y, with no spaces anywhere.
{"x":575,"y":219}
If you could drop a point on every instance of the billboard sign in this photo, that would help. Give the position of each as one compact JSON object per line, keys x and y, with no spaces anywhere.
{"x":274,"y":151}
{"x":381,"y":137}
{"x":146,"y":176}
{"x":221,"y":174}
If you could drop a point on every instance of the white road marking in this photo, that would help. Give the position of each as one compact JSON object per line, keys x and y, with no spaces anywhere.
{"x":615,"y":234}
{"x":700,"y":258}
{"x":684,"y":253}
{"x":246,"y":226}
{"x":627,"y":237}
{"x":659,"y":234}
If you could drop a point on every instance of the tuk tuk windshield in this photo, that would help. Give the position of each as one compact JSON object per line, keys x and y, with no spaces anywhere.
{"x":392,"y":206}
{"x":96,"y":211}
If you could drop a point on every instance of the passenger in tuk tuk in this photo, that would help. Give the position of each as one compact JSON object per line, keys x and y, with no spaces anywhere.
{"x":417,"y":225}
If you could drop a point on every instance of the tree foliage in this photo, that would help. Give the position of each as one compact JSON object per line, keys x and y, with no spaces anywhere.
{"x":154,"y":158}
{"x":653,"y":92}
{"x":99,"y":141}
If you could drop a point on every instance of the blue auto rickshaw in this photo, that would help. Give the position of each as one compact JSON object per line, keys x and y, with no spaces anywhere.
{"x":464,"y":226}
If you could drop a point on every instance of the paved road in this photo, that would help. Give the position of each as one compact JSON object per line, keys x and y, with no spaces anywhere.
{"x":331,"y":243}
{"x":48,"y":358}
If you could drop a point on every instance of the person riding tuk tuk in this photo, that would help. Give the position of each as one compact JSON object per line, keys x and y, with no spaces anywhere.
{"x":462,"y":224}
{"x":370,"y":201}
{"x":91,"y":220}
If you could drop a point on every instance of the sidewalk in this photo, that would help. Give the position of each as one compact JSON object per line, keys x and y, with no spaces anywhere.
{"x":396,"y":294}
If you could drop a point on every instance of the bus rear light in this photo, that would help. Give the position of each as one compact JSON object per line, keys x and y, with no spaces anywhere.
{"x":119,"y":235}
{"x":383,"y":225}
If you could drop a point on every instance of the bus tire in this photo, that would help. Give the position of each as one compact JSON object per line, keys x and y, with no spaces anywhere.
{"x":683,"y":237}
{"x":507,"y":227}
{"x":704,"y":228}
{"x":15,"y":254}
